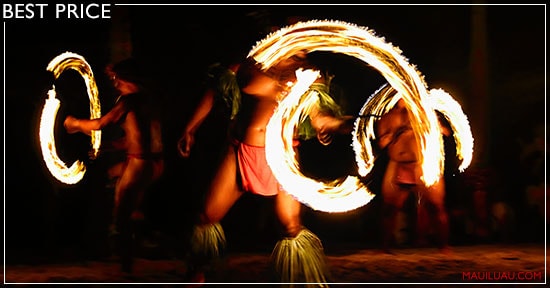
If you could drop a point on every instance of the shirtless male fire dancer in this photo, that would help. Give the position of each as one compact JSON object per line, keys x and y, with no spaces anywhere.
{"x":403,"y":175}
{"x":136,"y":118}
{"x":245,"y":168}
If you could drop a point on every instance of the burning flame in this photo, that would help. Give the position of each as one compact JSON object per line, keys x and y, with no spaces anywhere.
{"x":438,"y":100}
{"x":75,"y":173}
{"x":451,"y":109}
{"x":336,"y":196}
{"x":360,"y":42}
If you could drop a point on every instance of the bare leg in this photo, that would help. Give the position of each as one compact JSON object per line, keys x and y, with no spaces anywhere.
{"x":435,"y":195}
{"x":394,"y":197}
{"x":224,"y":190}
{"x":299,"y":256}
{"x":423,"y":227}
{"x":288,"y":209}
{"x":129,"y":188}
{"x":208,"y":238}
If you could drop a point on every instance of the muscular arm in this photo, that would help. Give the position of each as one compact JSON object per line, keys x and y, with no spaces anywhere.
{"x":74,"y":125}
{"x":203,"y":109}
{"x":187,"y":138}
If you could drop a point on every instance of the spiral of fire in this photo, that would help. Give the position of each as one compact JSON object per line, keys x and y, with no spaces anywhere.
{"x":348,"y":192}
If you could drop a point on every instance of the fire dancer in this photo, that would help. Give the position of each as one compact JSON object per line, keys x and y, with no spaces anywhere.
{"x":403,"y":174}
{"x":140,"y":139}
{"x":254,"y":95}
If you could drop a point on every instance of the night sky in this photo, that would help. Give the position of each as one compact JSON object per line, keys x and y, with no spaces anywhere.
{"x":178,"y":42}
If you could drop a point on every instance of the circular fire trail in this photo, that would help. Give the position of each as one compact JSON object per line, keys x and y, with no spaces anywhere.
{"x":360,"y":42}
{"x":58,"y":168}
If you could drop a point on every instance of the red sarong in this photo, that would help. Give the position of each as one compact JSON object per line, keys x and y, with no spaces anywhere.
{"x":256,"y":175}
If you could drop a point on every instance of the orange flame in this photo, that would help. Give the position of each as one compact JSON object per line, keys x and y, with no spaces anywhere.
{"x":58,"y":168}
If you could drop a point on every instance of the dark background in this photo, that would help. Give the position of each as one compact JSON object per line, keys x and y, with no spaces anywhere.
{"x":501,"y":87}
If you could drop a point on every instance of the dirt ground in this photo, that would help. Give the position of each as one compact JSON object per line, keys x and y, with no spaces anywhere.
{"x":472,"y":265}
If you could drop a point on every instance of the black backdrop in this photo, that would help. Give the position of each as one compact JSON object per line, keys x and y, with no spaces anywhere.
{"x":44,"y":218}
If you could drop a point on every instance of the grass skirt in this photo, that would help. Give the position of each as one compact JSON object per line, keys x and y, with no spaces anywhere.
{"x":300,"y":260}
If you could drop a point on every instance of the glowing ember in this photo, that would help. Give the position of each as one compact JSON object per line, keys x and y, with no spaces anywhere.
{"x":56,"y":166}
{"x":359,"y":42}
